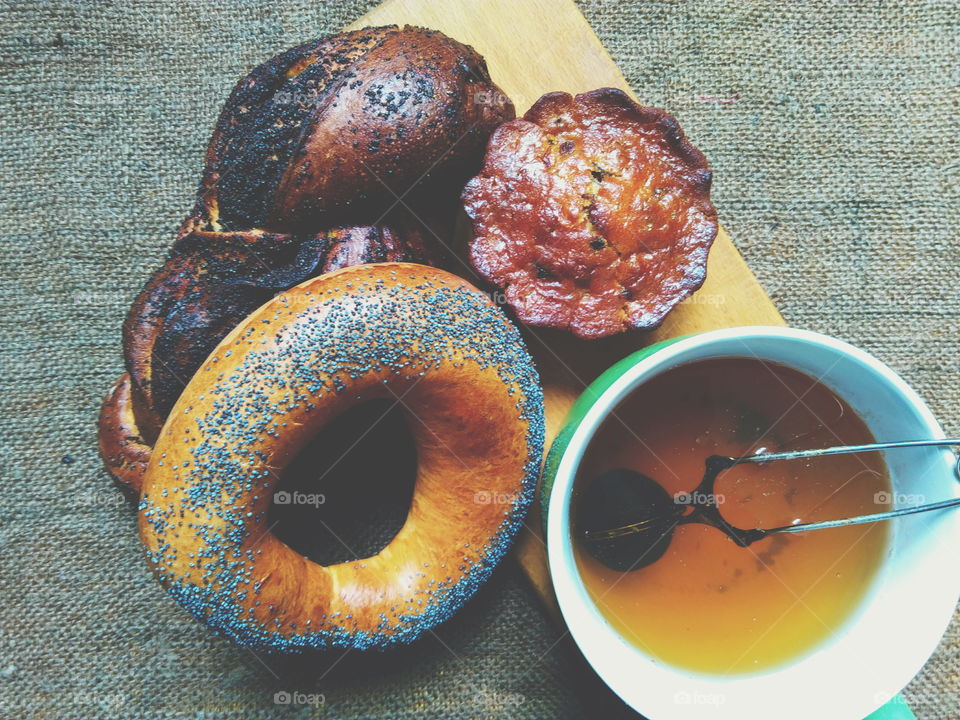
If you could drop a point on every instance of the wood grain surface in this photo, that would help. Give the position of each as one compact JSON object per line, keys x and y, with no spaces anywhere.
{"x":537,"y":46}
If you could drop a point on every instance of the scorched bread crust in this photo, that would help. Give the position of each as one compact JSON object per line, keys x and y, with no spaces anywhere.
{"x":302,"y":176}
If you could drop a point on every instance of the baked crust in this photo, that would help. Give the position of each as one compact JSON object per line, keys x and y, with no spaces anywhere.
{"x":122,"y":447}
{"x":212,"y":280}
{"x":592,"y":213}
{"x":334,"y":131}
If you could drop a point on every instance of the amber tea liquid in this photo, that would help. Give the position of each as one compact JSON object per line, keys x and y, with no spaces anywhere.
{"x":707,"y":604}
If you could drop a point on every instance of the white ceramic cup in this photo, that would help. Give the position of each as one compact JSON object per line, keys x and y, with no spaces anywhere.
{"x":902,"y":615}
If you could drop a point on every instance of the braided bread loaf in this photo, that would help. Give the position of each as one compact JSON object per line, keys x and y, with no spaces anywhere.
{"x":345,"y":150}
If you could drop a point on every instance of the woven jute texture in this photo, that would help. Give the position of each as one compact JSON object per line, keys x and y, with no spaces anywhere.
{"x":832,"y":128}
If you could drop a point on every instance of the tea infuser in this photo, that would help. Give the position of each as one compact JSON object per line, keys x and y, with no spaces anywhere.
{"x":626,"y":519}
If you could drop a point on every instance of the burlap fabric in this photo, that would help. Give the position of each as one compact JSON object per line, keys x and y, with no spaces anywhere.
{"x":832,"y":127}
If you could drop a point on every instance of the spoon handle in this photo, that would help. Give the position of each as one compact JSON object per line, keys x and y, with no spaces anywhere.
{"x":839,"y":450}
{"x":718,"y":463}
{"x":862,"y":519}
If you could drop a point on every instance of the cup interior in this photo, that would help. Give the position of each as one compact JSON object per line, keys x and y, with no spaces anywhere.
{"x":901,"y":617}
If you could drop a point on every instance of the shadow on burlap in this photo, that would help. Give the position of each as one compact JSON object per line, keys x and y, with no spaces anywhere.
{"x":832,"y":130}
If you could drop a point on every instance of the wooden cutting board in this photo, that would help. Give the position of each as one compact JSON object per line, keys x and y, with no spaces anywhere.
{"x":538,"y":46}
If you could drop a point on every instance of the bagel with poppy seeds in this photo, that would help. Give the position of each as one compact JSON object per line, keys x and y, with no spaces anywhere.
{"x":412,"y":334}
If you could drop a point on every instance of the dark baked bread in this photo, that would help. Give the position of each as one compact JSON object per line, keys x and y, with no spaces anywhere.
{"x":340,"y":127}
{"x":212,"y":280}
{"x":345,"y":150}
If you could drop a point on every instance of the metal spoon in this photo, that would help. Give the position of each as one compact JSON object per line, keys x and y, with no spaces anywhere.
{"x":626,"y":519}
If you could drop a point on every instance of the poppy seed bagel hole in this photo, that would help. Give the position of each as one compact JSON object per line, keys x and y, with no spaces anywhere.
{"x":347,"y":493}
{"x":400,"y":332}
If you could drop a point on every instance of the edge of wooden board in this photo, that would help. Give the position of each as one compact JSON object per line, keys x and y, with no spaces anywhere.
{"x":500,"y":30}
